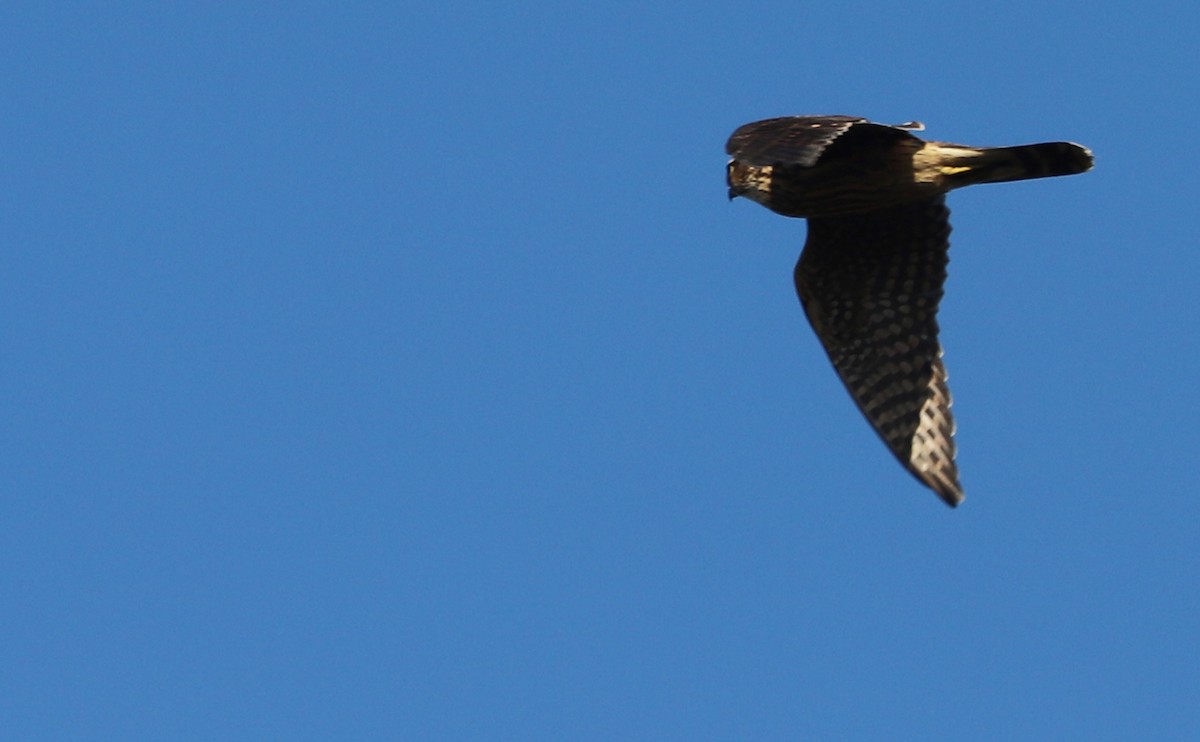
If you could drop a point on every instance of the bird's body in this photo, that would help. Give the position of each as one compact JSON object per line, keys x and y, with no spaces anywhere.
{"x":871,"y":273}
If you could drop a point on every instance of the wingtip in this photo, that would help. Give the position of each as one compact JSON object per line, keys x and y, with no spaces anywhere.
{"x":952,"y":498}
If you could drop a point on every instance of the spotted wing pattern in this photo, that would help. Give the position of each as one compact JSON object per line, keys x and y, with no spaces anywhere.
{"x":870,"y":285}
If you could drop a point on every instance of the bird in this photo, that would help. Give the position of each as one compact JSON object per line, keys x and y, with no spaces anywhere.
{"x":871,"y":272}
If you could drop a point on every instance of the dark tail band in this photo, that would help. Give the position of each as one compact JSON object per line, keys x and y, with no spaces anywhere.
{"x":1046,"y":160}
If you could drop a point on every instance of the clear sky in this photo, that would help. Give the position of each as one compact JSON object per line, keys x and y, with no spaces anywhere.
{"x":396,"y":370}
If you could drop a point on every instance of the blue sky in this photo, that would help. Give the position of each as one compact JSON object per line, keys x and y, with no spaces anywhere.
{"x":388,"y":371}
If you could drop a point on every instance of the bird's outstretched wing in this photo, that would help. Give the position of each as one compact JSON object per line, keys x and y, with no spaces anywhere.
{"x":870,"y":284}
{"x":792,"y":139}
{"x":801,"y":140}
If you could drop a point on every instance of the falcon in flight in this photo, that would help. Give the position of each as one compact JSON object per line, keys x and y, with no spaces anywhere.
{"x":871,"y":273}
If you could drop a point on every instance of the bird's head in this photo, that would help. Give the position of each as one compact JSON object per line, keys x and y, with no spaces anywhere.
{"x":751,"y":181}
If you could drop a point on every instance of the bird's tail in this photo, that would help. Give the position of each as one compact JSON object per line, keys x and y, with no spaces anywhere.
{"x":963,"y":166}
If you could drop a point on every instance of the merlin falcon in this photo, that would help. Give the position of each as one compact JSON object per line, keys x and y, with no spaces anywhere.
{"x":870,"y":275}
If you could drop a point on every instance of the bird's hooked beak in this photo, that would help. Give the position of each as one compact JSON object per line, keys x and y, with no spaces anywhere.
{"x":734,"y":191}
